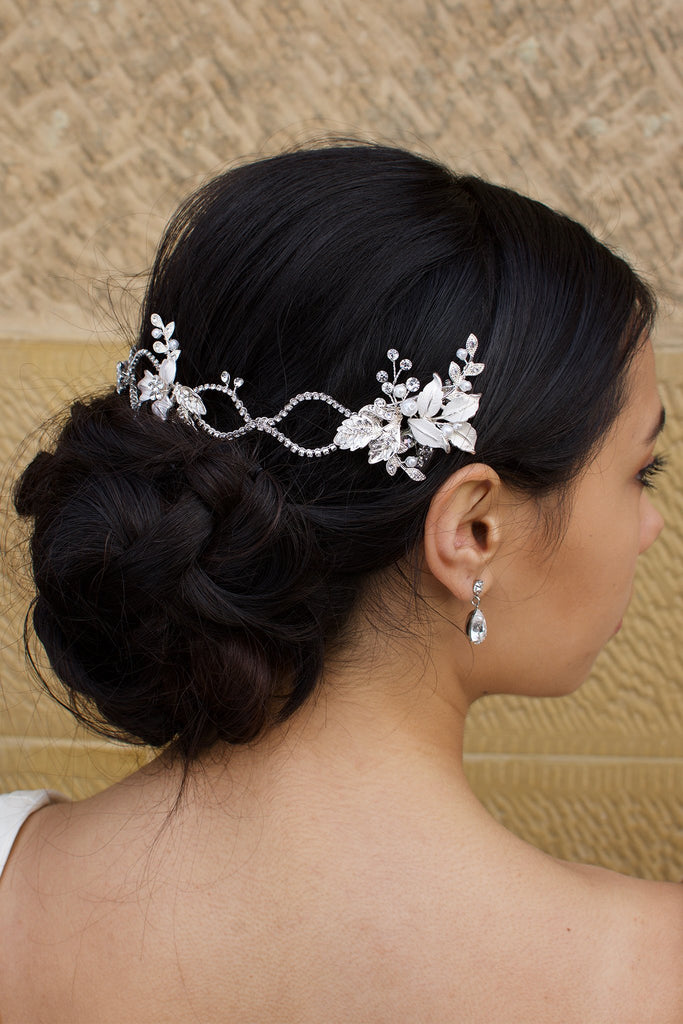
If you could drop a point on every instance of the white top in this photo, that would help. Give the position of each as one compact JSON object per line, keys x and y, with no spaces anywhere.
{"x":15,"y":808}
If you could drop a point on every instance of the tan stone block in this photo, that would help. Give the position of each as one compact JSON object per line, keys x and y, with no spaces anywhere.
{"x":77,"y":768}
{"x":103,"y":128}
{"x":623,"y":814}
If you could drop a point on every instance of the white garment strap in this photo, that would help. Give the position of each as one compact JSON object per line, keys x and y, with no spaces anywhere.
{"x":15,"y":808}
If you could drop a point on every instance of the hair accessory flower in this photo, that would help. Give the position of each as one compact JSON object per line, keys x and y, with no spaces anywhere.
{"x":435,"y":417}
{"x":160,"y":388}
{"x":407,"y":420}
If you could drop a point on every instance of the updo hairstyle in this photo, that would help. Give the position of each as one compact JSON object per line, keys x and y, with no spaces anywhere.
{"x":188,"y":589}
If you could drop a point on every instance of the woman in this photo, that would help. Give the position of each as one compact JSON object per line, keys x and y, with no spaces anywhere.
{"x":297,"y":591}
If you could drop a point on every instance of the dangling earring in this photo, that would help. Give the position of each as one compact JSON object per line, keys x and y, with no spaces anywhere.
{"x":476,"y":623}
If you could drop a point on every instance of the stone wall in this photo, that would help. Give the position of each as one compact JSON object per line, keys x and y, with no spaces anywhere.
{"x":114,"y":110}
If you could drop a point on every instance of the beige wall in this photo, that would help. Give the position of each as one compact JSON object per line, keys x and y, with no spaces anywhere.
{"x":112,"y":110}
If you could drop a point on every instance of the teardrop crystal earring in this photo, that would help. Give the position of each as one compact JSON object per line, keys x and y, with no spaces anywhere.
{"x":476,"y":623}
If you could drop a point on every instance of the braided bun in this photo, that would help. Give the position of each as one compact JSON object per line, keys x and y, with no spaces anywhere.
{"x":177,"y":588}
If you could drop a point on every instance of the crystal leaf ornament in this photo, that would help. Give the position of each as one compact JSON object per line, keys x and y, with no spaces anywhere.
{"x":401,"y":429}
{"x":414,"y":420}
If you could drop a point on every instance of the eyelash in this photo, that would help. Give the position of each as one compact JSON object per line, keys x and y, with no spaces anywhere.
{"x":647,"y":473}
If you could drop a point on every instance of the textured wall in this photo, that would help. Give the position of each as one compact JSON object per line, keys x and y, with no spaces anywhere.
{"x":113,"y":110}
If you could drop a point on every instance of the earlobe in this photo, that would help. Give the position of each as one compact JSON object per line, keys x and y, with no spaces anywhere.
{"x":462,"y":529}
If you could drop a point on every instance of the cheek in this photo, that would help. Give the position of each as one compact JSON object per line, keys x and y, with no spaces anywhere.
{"x":616,"y":559}
{"x":651,"y":523}
{"x":597,"y":572}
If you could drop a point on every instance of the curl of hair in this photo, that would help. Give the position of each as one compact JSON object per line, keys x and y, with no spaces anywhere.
{"x":188,"y":589}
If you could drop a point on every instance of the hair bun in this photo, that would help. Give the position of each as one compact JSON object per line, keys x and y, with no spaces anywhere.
{"x":34,"y":490}
{"x":175,"y":584}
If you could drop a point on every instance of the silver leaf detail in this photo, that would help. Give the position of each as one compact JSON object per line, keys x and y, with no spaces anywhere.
{"x":455,"y":373}
{"x":464,"y":437}
{"x":122,"y":376}
{"x":357,"y":431}
{"x":428,"y":433}
{"x":188,"y":400}
{"x":387,"y":444}
{"x":429,"y":400}
{"x":461,"y":407}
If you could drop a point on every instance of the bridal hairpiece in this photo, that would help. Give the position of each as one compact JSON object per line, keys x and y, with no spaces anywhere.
{"x":402,"y":429}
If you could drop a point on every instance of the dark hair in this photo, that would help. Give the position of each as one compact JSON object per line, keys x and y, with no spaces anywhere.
{"x":189,"y":588}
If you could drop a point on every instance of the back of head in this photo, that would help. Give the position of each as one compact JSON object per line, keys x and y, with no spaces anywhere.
{"x":189,"y":588}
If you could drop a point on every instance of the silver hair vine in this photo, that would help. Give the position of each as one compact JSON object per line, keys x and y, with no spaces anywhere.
{"x":401,"y":429}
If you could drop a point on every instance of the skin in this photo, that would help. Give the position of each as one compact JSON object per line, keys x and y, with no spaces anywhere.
{"x":341,"y":870}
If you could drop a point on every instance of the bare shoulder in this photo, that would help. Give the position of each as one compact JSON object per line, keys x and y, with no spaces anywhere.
{"x":22,"y":900}
{"x":638,"y":942}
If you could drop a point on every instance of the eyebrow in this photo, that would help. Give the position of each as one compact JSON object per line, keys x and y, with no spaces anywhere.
{"x":654,"y":434}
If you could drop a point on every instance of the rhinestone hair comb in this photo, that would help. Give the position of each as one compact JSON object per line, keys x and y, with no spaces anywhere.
{"x":402,"y":429}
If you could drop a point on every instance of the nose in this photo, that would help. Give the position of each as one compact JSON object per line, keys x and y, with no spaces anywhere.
{"x":651,"y":525}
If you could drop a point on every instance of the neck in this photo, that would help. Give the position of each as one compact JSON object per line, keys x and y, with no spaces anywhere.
{"x":412,"y":708}
{"x":390,"y":711}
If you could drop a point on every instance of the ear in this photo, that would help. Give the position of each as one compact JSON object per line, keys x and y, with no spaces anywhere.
{"x":462,"y":529}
